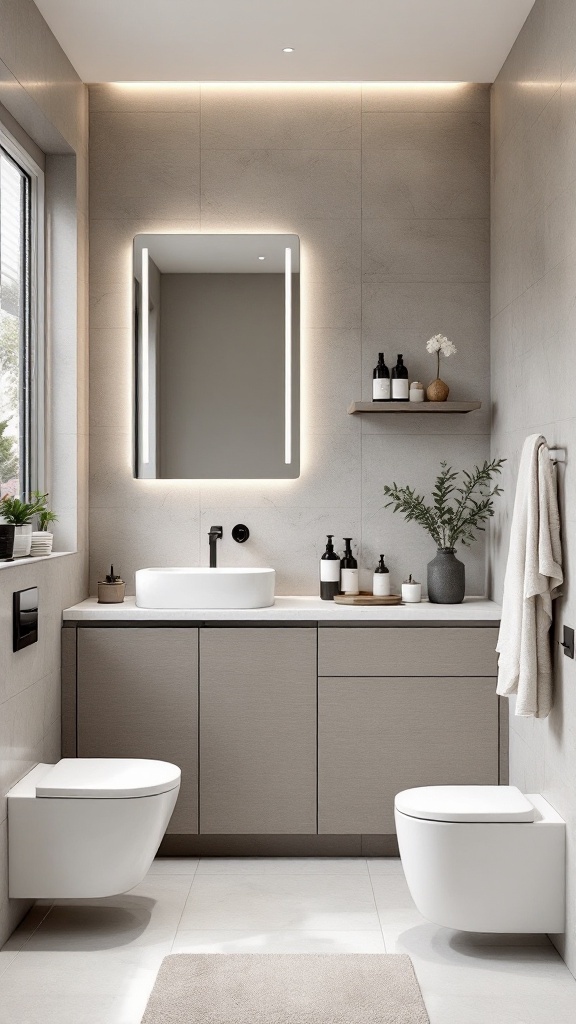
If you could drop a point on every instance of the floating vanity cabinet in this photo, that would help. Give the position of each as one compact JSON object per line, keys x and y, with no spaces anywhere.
{"x":399,"y":708}
{"x":137,"y":696}
{"x":257,"y":730}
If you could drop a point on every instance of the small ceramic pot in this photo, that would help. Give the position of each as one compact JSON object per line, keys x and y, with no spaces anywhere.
{"x":22,"y":540}
{"x":111,"y":593}
{"x":6,"y":542}
{"x":417,"y":391}
{"x":437,"y":391}
{"x":446,"y":578}
{"x":411,"y":593}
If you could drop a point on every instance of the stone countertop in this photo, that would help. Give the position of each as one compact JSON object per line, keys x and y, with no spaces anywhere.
{"x":474,"y":610}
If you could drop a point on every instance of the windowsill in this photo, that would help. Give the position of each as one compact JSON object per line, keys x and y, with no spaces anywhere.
{"x":19,"y":562}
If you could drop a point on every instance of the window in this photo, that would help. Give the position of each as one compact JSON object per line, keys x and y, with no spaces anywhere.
{"x":21,"y":453}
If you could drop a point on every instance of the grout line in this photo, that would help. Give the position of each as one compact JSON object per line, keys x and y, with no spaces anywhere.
{"x":375,"y":904}
{"x":29,"y":937}
{"x":176,"y":930}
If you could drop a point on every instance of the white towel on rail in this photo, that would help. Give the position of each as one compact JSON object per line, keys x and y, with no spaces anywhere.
{"x":533,"y":576}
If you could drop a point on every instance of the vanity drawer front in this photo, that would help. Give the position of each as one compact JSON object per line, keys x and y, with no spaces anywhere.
{"x":377,"y":737}
{"x":415,"y":651}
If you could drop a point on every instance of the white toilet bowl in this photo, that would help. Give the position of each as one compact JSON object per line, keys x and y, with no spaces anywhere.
{"x":87,"y":827}
{"x":483,"y":858}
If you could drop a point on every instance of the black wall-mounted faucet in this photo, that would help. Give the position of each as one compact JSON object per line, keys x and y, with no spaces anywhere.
{"x":215,"y":533}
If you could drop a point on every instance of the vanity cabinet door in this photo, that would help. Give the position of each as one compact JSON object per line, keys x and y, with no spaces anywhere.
{"x":257,"y":730}
{"x":378,"y":736}
{"x":137,"y":692}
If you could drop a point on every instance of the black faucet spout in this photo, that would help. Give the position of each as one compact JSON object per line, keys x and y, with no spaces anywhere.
{"x":215,"y":533}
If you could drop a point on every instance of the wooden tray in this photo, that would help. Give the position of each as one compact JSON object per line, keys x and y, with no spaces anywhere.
{"x":365,"y":598}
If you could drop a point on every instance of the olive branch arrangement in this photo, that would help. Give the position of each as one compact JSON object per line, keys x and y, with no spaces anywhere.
{"x":457,"y":513}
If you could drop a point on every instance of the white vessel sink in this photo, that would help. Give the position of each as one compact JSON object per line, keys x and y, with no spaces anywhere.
{"x":204,"y":588}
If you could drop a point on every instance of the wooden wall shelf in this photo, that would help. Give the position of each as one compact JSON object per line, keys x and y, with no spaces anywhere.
{"x":419,"y":407}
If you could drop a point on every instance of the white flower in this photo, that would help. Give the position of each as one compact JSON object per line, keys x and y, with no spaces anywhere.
{"x":440,"y":343}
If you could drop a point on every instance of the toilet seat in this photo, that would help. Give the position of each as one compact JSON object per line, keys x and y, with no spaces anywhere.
{"x":107,"y":778}
{"x":466,"y":803}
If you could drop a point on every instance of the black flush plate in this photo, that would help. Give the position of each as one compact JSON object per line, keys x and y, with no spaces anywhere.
{"x":25,"y":618}
{"x":568,"y":641}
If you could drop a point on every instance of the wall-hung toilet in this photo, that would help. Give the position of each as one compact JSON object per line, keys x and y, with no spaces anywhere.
{"x":87,"y":827}
{"x":483,"y":858}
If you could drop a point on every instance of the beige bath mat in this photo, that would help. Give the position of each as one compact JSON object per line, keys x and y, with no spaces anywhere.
{"x":274,"y":988}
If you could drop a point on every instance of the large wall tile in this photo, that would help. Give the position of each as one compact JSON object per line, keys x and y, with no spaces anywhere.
{"x":268,"y":188}
{"x":532,"y":354}
{"x":130,"y":153}
{"x":143,"y":98}
{"x":386,"y":460}
{"x":300,"y":118}
{"x":397,"y":184}
{"x":426,"y":250}
{"x":425,"y":98}
{"x":290,"y":160}
{"x":428,"y":133}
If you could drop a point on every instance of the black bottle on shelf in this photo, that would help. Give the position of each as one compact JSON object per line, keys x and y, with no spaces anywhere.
{"x":400,"y":392}
{"x":348,"y":570}
{"x":381,"y":381}
{"x":329,"y":572}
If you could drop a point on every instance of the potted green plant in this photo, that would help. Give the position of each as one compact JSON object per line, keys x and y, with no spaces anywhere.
{"x":457,"y":514}
{"x":20,"y":514}
{"x":43,"y":538}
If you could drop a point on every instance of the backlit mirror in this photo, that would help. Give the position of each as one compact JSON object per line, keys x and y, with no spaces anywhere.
{"x":216,"y":322}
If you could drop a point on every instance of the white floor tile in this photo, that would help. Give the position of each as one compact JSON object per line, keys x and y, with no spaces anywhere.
{"x":384,"y":866}
{"x":174,"y":866}
{"x":274,"y":902}
{"x":144,"y":919}
{"x":96,"y":962}
{"x":479,"y":978}
{"x":282,"y":866}
{"x":74,"y":988}
{"x":278,"y":942}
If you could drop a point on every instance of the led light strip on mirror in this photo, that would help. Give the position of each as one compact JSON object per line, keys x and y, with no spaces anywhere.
{"x":288,"y":356}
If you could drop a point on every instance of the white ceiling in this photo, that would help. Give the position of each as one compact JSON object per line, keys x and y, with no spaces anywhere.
{"x":242,"y":40}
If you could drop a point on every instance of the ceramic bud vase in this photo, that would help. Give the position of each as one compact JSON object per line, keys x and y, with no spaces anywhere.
{"x":446,"y":578}
{"x":22,"y":540}
{"x":437,"y":391}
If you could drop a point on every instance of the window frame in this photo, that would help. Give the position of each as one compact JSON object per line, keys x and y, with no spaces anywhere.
{"x":33,"y":472}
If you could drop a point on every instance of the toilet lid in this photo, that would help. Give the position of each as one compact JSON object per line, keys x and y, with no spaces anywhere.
{"x":105,"y":778}
{"x":466,"y":803}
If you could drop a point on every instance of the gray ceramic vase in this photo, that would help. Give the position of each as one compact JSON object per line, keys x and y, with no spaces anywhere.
{"x":446,"y":578}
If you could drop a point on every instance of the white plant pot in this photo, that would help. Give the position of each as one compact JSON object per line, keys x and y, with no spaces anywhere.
{"x":22,"y":540}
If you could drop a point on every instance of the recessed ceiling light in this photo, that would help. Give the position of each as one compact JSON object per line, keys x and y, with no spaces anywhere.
{"x":288,"y":49}
{"x":261,"y":257}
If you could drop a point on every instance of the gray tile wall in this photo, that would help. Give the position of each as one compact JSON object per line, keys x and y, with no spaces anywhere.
{"x":52,"y":107}
{"x":532,"y":350}
{"x":388,"y":189}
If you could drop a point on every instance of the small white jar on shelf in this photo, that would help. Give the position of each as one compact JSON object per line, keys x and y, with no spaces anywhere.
{"x":411,"y":591}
